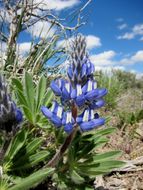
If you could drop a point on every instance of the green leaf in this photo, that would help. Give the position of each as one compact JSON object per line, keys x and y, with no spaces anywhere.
{"x":29,"y":91}
{"x":104,"y":132}
{"x":106,"y":166}
{"x":32,"y":160}
{"x":106,"y":156}
{"x":76,"y":178}
{"x":40,"y":91}
{"x":110,"y":164}
{"x":48,"y":97}
{"x":31,"y":147}
{"x":21,"y":98}
{"x":33,"y":180}
{"x":15,"y":145}
{"x":17,"y":83}
{"x":28,"y":114}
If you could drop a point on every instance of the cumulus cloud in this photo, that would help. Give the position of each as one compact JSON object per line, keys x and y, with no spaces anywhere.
{"x":136,"y":58}
{"x":104,"y":58}
{"x":57,"y":5}
{"x":137,"y":30}
{"x":23,"y":48}
{"x":92,"y":42}
{"x":42,"y":29}
{"x":126,"y":36}
{"x":122,"y":26}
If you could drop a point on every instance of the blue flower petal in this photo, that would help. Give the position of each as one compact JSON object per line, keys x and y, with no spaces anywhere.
{"x":19,"y":116}
{"x":97,"y":104}
{"x":65,"y":93}
{"x":73,"y":93}
{"x":84,"y":70}
{"x":55,"y":88}
{"x":79,"y":118}
{"x":91,"y":95}
{"x":46,"y":112}
{"x":80,"y":100}
{"x":102,"y":92}
{"x":70,"y":73}
{"x":68,"y":128}
{"x":56,"y":120}
{"x":86,"y":126}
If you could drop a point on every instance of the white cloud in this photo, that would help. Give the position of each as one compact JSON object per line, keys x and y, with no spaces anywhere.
{"x":56,"y":4}
{"x":137,"y":30}
{"x":92,"y":42}
{"x":23,"y":48}
{"x":104,"y":58}
{"x":141,"y":39}
{"x":122,"y":26}
{"x":42,"y":29}
{"x":139,"y":75}
{"x":136,"y":58}
{"x":126,"y":36}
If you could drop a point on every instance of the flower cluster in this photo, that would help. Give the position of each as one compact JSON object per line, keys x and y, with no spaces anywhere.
{"x":10,"y":115}
{"x":78,"y":91}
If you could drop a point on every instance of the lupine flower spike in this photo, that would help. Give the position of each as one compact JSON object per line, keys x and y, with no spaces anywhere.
{"x":80,"y":89}
{"x":10,"y":115}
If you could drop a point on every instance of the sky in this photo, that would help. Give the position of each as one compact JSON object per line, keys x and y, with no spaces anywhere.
{"x":113,"y":30}
{"x":119,"y":26}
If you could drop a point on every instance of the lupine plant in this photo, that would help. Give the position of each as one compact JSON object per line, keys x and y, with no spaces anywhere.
{"x":66,"y":152}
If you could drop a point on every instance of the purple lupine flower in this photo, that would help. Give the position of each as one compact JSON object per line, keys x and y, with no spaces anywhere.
{"x":10,"y":115}
{"x":78,"y":91}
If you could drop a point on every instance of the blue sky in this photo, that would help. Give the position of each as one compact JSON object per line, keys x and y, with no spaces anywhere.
{"x":114,"y":31}
{"x":119,"y":25}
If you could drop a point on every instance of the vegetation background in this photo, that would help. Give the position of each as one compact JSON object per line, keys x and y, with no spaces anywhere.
{"x":24,"y":162}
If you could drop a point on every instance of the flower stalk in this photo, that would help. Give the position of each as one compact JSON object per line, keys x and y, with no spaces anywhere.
{"x":78,"y":92}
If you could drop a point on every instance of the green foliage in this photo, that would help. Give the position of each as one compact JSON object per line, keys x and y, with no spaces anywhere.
{"x":24,"y":149}
{"x":113,"y":85}
{"x":130,"y":117}
{"x":30,"y":97}
{"x":33,"y":180}
{"x":127,"y":79}
{"x":84,"y":162}
{"x":21,"y":161}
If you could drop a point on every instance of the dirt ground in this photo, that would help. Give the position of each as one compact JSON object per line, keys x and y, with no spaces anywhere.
{"x":129,"y":139}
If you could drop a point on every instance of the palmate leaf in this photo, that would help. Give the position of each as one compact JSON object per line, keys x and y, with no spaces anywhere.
{"x":15,"y":145}
{"x":33,"y":180}
{"x":40,"y":91}
{"x":31,"y":161}
{"x":33,"y":146}
{"x":94,"y":169}
{"x":48,"y":97}
{"x":31,"y":97}
{"x":18,"y":84}
{"x":29,"y":91}
{"x":76,"y":178}
{"x":107,"y":156}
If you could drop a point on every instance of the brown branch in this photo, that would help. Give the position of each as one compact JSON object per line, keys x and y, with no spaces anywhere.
{"x":54,"y":161}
